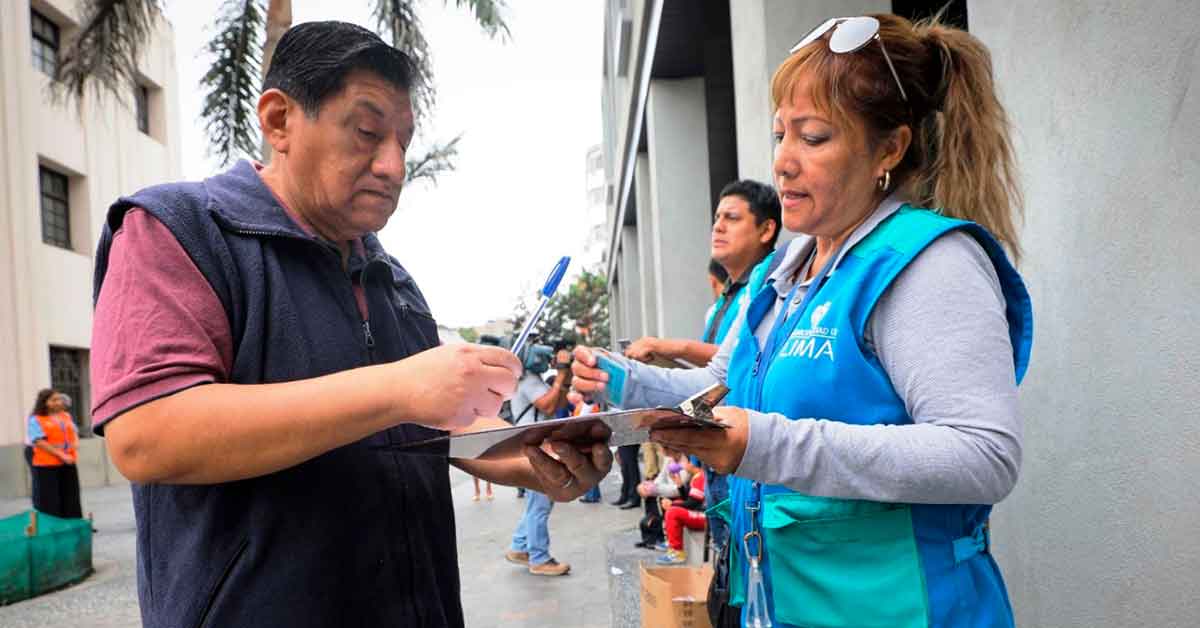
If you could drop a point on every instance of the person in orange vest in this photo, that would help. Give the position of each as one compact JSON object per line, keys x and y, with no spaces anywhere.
{"x":55,"y":452}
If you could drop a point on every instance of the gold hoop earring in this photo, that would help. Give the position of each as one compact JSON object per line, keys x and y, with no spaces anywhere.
{"x":885,"y":181}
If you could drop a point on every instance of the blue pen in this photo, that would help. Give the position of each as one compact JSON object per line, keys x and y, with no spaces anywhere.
{"x":548,"y":291}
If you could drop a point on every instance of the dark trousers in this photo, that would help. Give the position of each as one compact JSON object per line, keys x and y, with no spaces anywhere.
{"x":56,"y":491}
{"x":627,"y":455}
{"x":651,"y":524}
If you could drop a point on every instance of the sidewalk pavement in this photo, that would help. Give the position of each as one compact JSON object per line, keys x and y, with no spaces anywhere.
{"x":596,"y":539}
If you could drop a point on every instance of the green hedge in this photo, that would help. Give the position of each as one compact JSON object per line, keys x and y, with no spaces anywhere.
{"x":60,"y":554}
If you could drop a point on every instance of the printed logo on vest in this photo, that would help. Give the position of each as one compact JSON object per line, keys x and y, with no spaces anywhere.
{"x":819,"y":313}
{"x":814,"y":343}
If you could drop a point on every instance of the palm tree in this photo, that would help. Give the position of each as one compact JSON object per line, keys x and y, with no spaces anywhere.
{"x":103,"y":58}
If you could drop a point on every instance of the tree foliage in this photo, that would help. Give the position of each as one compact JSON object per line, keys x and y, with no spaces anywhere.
{"x":438,"y":160}
{"x":103,"y":57}
{"x":578,"y":315}
{"x":232,"y":83}
{"x":103,"y":54}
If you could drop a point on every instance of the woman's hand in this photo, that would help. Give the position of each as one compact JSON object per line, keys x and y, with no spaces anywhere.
{"x":720,"y":449}
{"x":587,"y":380}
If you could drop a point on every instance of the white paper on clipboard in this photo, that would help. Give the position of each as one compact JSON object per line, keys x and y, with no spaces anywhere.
{"x":622,"y":427}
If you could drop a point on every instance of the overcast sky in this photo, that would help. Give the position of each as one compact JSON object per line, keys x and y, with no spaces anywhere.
{"x":529,"y":109}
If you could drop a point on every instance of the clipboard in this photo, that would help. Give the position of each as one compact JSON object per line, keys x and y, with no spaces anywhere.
{"x":621,"y":427}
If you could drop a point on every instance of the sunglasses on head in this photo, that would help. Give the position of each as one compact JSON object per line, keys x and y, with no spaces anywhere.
{"x":851,"y":34}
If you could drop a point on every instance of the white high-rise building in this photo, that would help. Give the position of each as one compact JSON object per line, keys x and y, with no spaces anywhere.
{"x":60,"y":168}
{"x":594,"y":211}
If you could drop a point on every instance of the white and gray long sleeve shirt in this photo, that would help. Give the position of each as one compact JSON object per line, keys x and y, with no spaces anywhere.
{"x":941,"y":335}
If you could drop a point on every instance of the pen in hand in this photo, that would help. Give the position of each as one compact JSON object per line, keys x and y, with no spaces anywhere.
{"x":546,"y":292}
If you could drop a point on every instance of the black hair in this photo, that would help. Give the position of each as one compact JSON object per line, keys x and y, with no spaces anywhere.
{"x":763,"y":201}
{"x":563,"y":345}
{"x":312,"y":60}
{"x":717,"y":270}
{"x":43,"y":397}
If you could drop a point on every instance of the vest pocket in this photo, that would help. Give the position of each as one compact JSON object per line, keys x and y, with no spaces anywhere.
{"x":842,"y":563}
{"x":220,"y":584}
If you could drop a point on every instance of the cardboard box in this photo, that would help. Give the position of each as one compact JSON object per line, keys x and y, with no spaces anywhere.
{"x":675,"y":597}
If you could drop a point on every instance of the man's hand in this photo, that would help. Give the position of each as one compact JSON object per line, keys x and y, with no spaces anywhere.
{"x":573,"y":473}
{"x":587,"y":380}
{"x":209,"y":443}
{"x":720,"y":449}
{"x":562,"y":363}
{"x":465,"y":382}
{"x":644,"y":349}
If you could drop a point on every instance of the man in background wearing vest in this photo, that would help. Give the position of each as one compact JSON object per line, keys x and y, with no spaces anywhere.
{"x":745,"y":229}
{"x":256,"y":352}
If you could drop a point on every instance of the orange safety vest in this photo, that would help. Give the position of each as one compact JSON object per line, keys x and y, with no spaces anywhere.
{"x":60,"y":434}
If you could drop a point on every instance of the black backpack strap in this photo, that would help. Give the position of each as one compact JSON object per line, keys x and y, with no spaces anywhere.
{"x":522,"y":415}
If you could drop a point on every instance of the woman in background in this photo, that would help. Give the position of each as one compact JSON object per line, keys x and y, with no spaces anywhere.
{"x":55,"y":452}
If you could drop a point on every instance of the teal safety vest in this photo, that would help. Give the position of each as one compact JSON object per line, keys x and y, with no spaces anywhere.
{"x":838,"y":562}
{"x":758,"y":276}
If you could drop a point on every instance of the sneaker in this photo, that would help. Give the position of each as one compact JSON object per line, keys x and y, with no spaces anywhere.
{"x":517,"y":558}
{"x":550,"y":568}
{"x":662,"y":546}
{"x":672,"y":557}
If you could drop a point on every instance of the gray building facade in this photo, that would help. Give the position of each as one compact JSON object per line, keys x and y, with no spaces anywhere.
{"x":1100,"y":531}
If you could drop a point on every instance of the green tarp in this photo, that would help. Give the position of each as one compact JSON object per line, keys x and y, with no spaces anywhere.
{"x":60,"y":554}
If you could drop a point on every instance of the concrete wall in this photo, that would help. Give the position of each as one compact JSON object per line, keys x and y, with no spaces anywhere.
{"x":45,"y":291}
{"x":647,"y":254}
{"x":1105,"y":101}
{"x":631,"y":285}
{"x":680,"y":204}
{"x":762,"y":32}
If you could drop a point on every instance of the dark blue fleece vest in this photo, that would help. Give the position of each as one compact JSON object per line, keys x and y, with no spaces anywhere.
{"x":354,"y":537}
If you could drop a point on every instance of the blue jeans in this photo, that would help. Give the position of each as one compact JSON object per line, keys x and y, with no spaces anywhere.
{"x":716,"y":490}
{"x":533,"y":530}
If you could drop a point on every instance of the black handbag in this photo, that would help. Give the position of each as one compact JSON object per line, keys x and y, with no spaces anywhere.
{"x":720,"y":613}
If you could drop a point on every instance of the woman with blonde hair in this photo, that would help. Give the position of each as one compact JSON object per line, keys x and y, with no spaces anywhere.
{"x":873,"y":414}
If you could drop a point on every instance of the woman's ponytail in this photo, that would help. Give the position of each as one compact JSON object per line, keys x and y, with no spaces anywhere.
{"x":969,"y":169}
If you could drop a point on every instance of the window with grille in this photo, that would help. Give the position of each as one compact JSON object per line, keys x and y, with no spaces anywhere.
{"x":56,"y":208}
{"x":66,"y":376}
{"x":141,"y":96}
{"x":45,"y":43}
